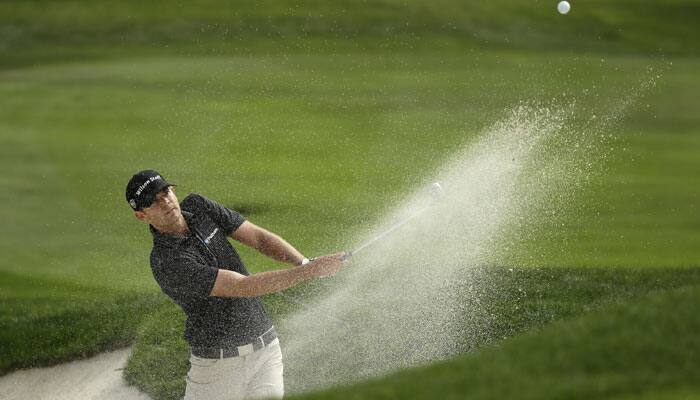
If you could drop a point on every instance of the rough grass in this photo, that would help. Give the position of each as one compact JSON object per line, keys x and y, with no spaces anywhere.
{"x":160,"y":361}
{"x":45,"y":322}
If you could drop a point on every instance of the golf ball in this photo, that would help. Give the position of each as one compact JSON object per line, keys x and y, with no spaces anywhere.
{"x":563,"y":7}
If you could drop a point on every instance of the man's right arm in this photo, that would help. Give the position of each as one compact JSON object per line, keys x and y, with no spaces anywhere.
{"x":232,"y":284}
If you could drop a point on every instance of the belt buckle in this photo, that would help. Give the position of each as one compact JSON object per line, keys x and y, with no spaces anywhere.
{"x":246,"y":349}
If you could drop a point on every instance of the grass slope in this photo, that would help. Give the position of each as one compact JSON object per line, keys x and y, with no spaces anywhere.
{"x":648,"y":347}
{"x":45,"y":321}
{"x":513,"y":302}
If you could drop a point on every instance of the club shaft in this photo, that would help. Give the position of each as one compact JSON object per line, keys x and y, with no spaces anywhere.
{"x":437,"y":193}
{"x":385,"y":233}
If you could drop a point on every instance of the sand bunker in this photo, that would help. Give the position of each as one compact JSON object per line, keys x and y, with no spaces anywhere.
{"x":99,"y":377}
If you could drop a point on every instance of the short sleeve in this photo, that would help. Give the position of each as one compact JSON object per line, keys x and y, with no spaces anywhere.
{"x":229,"y":220}
{"x":182,"y":276}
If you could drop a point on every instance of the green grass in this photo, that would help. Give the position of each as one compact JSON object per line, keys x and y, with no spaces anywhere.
{"x":160,"y":361}
{"x":273,"y":131}
{"x":314,"y":119}
{"x":620,"y":351}
{"x":32,"y":31}
{"x":270,"y":133}
{"x":48,"y":321}
{"x":69,"y":119}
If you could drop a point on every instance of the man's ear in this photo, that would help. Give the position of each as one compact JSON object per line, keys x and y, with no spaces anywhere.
{"x":140,"y":215}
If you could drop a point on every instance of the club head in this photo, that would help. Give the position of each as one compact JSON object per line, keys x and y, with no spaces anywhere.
{"x":436,"y":191}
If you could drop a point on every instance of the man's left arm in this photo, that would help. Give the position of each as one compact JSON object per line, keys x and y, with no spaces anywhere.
{"x":267,"y":243}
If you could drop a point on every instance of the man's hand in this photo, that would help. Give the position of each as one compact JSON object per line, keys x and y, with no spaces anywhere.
{"x":326,"y":265}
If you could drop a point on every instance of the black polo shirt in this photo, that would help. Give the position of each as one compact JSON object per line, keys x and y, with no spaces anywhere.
{"x":186,"y":268}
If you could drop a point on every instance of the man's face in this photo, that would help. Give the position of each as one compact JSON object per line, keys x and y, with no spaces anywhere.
{"x":165,"y":209}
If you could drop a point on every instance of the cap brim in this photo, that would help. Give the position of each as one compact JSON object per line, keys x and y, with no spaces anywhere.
{"x":148,"y":198}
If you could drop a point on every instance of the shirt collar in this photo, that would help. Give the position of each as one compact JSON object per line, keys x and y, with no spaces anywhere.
{"x":172,"y":240}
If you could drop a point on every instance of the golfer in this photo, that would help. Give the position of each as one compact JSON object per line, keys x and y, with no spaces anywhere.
{"x":235,"y":349}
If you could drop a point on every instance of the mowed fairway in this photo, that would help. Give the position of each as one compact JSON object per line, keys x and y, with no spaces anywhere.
{"x":316,"y":147}
{"x":268,"y":134}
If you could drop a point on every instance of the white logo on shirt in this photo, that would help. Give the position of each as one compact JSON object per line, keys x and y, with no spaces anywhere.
{"x":211,"y":235}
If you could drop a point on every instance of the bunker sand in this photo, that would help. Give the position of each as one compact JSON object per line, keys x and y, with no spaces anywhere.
{"x":99,"y":377}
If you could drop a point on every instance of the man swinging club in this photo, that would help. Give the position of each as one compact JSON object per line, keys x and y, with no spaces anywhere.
{"x":235,"y":350}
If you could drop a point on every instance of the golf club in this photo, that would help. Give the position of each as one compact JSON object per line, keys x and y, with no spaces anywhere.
{"x":436,"y":193}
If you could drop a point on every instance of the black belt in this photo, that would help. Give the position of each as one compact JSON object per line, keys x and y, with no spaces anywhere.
{"x":235,"y":351}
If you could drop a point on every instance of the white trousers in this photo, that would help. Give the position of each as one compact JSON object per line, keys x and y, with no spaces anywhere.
{"x":253,"y":376}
